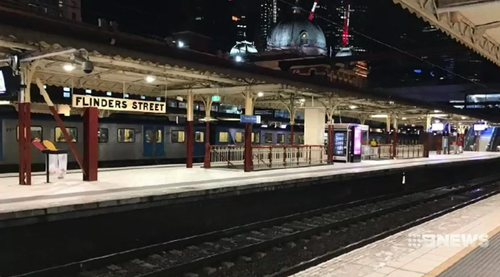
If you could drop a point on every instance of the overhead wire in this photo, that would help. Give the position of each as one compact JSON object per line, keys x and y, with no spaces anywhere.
{"x":391,"y":46}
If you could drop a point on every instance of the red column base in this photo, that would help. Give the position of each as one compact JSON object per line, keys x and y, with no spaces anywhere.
{"x":206,"y":163}
{"x":24,"y":112}
{"x":90,"y":144}
{"x":329,"y":149}
{"x":248,"y":163}
{"x":189,"y":144}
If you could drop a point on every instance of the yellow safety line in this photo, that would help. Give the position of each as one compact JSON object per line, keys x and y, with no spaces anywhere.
{"x":457,"y":257}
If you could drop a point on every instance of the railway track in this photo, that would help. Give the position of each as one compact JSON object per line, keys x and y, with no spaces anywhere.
{"x":225,"y":252}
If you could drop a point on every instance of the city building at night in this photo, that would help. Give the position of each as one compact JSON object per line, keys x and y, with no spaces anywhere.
{"x":70,"y":9}
{"x":298,"y":34}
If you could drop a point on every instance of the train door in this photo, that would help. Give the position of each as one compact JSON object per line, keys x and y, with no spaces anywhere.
{"x":153,"y":141}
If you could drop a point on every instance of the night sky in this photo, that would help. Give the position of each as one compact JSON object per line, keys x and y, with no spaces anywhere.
{"x":144,"y":16}
{"x":160,"y":18}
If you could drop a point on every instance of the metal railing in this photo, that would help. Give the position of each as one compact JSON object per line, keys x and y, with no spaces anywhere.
{"x":409,"y":151}
{"x":230,"y":155}
{"x":386,"y":151}
{"x":283,"y":156}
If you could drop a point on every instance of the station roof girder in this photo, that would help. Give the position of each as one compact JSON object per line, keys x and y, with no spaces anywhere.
{"x":118,"y":68}
{"x":475,"y":24}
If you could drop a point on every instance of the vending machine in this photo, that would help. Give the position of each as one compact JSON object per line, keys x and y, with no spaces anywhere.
{"x":347,"y":143}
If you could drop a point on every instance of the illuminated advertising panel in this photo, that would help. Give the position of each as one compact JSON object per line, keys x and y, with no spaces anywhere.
{"x":357,"y":141}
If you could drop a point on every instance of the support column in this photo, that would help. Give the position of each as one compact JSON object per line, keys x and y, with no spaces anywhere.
{"x":428,"y":136}
{"x":24,"y":113}
{"x":395,"y":137}
{"x":90,"y":144}
{"x":248,"y":163}
{"x":190,"y":131}
{"x":292,"y":111}
{"x":388,"y":129}
{"x":314,"y":129}
{"x":208,"y":107}
{"x":329,"y":147}
{"x":362,"y":119}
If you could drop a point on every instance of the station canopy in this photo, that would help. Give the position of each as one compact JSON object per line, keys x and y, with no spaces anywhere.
{"x":129,"y":64}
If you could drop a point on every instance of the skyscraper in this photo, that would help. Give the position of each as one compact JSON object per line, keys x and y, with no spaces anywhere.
{"x":70,"y":9}
{"x":267,"y":18}
{"x":337,"y":18}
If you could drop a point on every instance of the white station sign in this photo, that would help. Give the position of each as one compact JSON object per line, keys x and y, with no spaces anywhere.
{"x":117,"y":104}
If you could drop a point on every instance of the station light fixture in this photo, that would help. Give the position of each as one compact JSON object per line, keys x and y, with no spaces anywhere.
{"x":352,"y":107}
{"x":464,"y":117}
{"x":181,"y":44}
{"x":150,"y":79}
{"x":303,"y":100}
{"x":238,"y":59}
{"x":68,"y":67}
{"x":404,"y":118}
{"x":437,"y":111}
{"x":260,"y":94}
{"x":378,"y":116}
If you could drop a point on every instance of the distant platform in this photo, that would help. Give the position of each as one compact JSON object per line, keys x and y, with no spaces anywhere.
{"x":398,"y":256}
{"x":134,"y":185}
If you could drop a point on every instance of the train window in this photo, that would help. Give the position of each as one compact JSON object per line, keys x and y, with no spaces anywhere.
{"x":223,"y":137}
{"x":199,"y":136}
{"x":281,"y":138}
{"x":153,"y":135}
{"x":255,"y":137}
{"x":103,"y":135}
{"x":178,"y":136}
{"x":126,"y":135}
{"x":172,"y":103}
{"x":36,"y":133}
{"x":268,"y":137}
{"x":300,"y":139}
{"x":239,"y":138}
{"x":72,"y":131}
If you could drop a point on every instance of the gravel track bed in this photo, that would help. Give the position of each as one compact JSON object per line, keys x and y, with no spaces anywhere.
{"x":283,"y":255}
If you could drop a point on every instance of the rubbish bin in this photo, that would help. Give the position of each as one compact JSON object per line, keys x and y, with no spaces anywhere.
{"x":56,"y":163}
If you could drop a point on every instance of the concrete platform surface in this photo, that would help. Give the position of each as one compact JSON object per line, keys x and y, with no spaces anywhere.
{"x":132,"y":185}
{"x":410,"y":254}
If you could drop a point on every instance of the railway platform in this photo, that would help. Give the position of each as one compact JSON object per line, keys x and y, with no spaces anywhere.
{"x":463,"y":243}
{"x":123,"y":189}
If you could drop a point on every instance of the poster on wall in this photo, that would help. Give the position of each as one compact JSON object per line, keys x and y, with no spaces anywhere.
{"x":357,"y":141}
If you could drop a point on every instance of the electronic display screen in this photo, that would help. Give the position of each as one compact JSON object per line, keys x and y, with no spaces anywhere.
{"x":9,"y":84}
{"x":480,"y":127}
{"x":339,"y":144}
{"x":437,"y":127}
{"x":3,"y":87}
